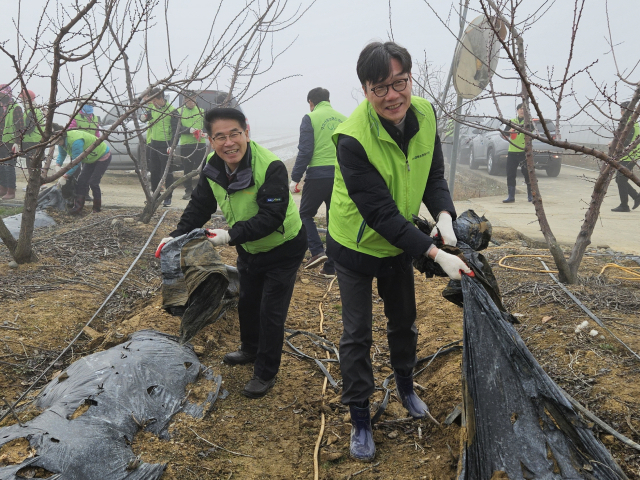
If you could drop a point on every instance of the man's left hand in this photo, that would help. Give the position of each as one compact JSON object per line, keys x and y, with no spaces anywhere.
{"x":444,"y":227}
{"x":293,"y":187}
{"x":218,"y":236}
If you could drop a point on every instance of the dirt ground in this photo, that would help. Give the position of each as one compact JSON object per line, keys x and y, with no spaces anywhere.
{"x":47,"y":303}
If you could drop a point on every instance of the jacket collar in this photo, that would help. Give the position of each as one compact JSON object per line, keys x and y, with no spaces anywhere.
{"x":215,"y":171}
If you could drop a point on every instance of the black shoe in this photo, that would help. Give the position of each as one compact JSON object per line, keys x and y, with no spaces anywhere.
{"x":315,"y":261}
{"x":326,"y":273}
{"x":622,"y":208}
{"x":239,"y":358}
{"x":362,"y":446}
{"x":256,"y":387}
{"x":404,"y":388}
{"x":167,"y":202}
{"x":636,"y":202}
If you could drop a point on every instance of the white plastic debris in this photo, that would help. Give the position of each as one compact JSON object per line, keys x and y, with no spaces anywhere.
{"x":582,"y":326}
{"x":593,"y":333}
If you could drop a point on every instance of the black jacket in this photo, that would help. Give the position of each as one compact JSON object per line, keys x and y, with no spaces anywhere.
{"x":369,"y":192}
{"x":203,"y":203}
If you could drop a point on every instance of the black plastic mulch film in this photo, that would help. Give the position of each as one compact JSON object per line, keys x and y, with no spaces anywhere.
{"x":137,"y":385}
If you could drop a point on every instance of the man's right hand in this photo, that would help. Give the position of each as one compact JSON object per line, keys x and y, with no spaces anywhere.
{"x":451,"y":264}
{"x":293,"y":187}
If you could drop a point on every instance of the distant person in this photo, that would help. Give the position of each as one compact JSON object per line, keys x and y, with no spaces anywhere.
{"x":73,"y":143}
{"x":11,"y":126}
{"x":193,"y":143}
{"x":516,"y":157}
{"x":316,"y":156}
{"x":624,"y":189}
{"x":163,"y":120}
{"x":86,"y":120}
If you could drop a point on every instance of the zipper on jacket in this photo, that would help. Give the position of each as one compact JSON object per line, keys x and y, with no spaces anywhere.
{"x":363,"y":225}
{"x":408,"y":167}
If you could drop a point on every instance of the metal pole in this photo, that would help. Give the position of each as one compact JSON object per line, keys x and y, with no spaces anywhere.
{"x":454,"y":153}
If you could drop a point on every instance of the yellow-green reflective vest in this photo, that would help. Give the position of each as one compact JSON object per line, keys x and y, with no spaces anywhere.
{"x":86,"y":125}
{"x":242,"y":205}
{"x":406,"y":177}
{"x":516,"y":139}
{"x":160,"y":123}
{"x":634,"y":155}
{"x":191,"y":118}
{"x":8,"y":134}
{"x":89,"y":139}
{"x":34,"y":136}
{"x":324,"y":120}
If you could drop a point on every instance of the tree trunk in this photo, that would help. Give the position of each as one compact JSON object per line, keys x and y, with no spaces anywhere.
{"x":23,"y":252}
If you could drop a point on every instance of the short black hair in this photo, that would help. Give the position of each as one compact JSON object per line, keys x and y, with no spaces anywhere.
{"x":223,"y":114}
{"x":318,"y":95}
{"x":520,"y":105}
{"x":374,"y":62}
{"x":155,"y":91}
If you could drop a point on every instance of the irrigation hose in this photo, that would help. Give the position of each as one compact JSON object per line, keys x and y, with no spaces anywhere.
{"x":90,"y":320}
{"x":629,"y":270}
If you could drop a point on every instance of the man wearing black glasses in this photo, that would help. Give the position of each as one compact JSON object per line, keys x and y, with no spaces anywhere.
{"x":390,"y":162}
{"x":250,"y":185}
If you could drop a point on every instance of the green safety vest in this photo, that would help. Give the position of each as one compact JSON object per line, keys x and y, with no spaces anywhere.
{"x":34,"y":137}
{"x":89,"y":139}
{"x":516,"y":139}
{"x":8,"y":134}
{"x":87,"y":125}
{"x":160,"y":123}
{"x":324,"y":120}
{"x":242,"y":205}
{"x":193,"y":118}
{"x":406,"y":177}
{"x":634,"y":154}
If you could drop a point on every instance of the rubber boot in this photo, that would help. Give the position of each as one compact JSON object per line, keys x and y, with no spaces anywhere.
{"x":3,"y":190}
{"x":362,"y":446}
{"x":10,"y":195}
{"x":512,"y":195}
{"x":404,"y":388}
{"x":97,"y":202}
{"x":529,"y":194}
{"x":78,"y":205}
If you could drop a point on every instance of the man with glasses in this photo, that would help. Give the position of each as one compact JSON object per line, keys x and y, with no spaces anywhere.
{"x":250,"y":185}
{"x":390,"y":162}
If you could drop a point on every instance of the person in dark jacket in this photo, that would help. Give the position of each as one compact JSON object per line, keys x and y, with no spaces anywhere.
{"x":11,"y":129}
{"x":193,"y":146}
{"x":249,"y":184}
{"x":316,"y":156}
{"x":390,"y":161}
{"x":516,"y":157}
{"x":624,"y":189}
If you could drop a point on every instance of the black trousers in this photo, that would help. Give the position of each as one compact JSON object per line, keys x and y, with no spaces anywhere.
{"x":624,"y":189}
{"x":513,"y":160}
{"x":315,"y":192}
{"x":7,"y":169}
{"x":398,"y":294}
{"x":90,"y":177}
{"x":157,"y":162}
{"x":192,"y":156}
{"x":266,"y":286}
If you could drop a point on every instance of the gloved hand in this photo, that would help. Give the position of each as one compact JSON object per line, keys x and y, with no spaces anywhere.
{"x":444,"y":226}
{"x":163,"y":242}
{"x":169,"y":150}
{"x":192,"y":130}
{"x":451,"y":264}
{"x":62,"y":181}
{"x":293,"y":186}
{"x":203,"y":134}
{"x":143,"y":117}
{"x":218,"y":236}
{"x":15,"y":148}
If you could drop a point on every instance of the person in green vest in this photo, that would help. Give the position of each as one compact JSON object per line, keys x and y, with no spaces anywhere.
{"x":390,"y":161}
{"x":516,"y":157}
{"x":316,"y":157}
{"x":11,"y":126}
{"x":249,"y":184}
{"x":74,"y":143}
{"x":193,"y":139}
{"x":86,"y":120}
{"x":163,"y":120}
{"x":624,"y":189}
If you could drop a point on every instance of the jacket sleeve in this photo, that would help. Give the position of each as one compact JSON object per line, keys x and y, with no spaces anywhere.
{"x":76,"y":150}
{"x":273,"y":201}
{"x":305,"y":149}
{"x":175,"y":122}
{"x":202,"y":205}
{"x":437,"y":197}
{"x":373,"y":199}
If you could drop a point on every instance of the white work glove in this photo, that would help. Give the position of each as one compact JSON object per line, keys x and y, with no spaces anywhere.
{"x":451,"y":264}
{"x":15,"y":148}
{"x":163,"y":242}
{"x":192,"y":130}
{"x":143,"y":117}
{"x":203,"y":134}
{"x":444,"y":226}
{"x":218,"y":236}
{"x":169,"y":151}
{"x":293,"y":186}
{"x":62,"y":181}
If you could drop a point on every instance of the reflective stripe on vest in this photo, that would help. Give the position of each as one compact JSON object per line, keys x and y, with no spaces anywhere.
{"x":34,"y":136}
{"x":324,"y":120}
{"x":89,"y":139}
{"x":516,"y":139}
{"x":406,"y":177}
{"x":160,"y":124}
{"x":242,"y":205}
{"x":191,"y":118}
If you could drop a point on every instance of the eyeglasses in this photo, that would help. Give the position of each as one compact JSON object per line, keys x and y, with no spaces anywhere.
{"x":398,"y":86}
{"x":222,"y":139}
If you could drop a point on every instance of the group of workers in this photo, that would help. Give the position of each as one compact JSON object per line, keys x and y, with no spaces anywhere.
{"x":373,"y":170}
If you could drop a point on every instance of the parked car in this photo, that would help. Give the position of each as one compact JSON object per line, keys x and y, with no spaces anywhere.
{"x":464,"y":145}
{"x":120,"y":159}
{"x":489,"y":147}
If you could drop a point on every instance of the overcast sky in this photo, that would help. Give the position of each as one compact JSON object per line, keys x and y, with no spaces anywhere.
{"x":332,"y":33}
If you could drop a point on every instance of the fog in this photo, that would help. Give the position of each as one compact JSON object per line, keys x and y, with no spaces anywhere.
{"x":329,"y":37}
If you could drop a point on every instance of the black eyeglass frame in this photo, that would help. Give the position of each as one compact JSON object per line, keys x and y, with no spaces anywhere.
{"x":378,"y":88}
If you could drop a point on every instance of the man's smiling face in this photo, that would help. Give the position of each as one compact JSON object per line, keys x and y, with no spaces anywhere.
{"x":229,"y":141}
{"x":394,"y":105}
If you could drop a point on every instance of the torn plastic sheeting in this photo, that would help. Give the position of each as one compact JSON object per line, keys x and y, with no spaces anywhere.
{"x":518,"y":423}
{"x":14,"y":222}
{"x":137,"y":385}
{"x":52,"y":197}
